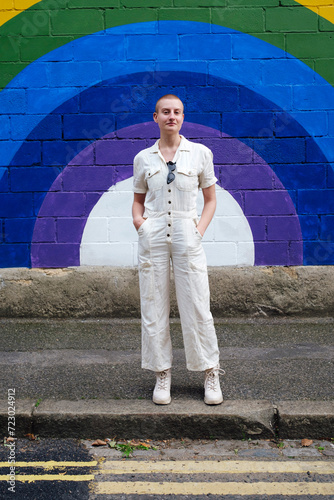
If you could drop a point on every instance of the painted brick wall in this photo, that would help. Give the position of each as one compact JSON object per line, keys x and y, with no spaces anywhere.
{"x":79,"y":80}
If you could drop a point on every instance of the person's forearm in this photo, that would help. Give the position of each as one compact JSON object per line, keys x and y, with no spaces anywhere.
{"x":138,"y":209}
{"x":207,"y":215}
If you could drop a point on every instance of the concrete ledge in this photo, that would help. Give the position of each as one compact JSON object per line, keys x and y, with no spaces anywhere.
{"x":111,"y":292}
{"x":23,"y":417}
{"x":312,"y":419}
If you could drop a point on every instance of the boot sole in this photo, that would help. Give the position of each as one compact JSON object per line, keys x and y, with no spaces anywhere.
{"x":164,"y":402}
{"x":211,"y":403}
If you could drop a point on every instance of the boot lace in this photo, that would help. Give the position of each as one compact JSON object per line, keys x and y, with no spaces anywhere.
{"x":212,"y":378}
{"x":162,"y":380}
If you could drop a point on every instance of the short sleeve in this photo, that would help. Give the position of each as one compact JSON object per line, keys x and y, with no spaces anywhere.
{"x":207,"y":174}
{"x":139,"y":183}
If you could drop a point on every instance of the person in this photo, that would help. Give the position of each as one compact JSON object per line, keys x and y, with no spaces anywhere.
{"x":167,"y":177}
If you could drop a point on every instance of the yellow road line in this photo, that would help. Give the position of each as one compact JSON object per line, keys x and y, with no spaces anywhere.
{"x":50,"y":464}
{"x":222,"y":489}
{"x":49,"y":477}
{"x":210,"y":466}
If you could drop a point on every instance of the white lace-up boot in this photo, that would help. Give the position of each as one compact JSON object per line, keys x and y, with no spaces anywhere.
{"x":161,"y":393}
{"x":212,"y":391}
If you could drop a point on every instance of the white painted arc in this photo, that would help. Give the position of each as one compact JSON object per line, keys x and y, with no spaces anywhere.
{"x":110,"y":239}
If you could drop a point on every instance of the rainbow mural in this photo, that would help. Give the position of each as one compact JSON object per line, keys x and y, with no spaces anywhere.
{"x":79,"y":81}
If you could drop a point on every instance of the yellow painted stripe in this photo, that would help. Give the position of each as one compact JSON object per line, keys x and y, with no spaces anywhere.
{"x":323,"y":8}
{"x":210,"y":466}
{"x":49,"y":477}
{"x":50,"y":464}
{"x":19,"y":6}
{"x":287,"y":489}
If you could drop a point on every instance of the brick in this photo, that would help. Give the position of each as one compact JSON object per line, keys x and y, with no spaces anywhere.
{"x":105,"y":100}
{"x":113,"y":48}
{"x":310,"y":45}
{"x":200,"y":46}
{"x":78,"y":21}
{"x":107,"y":254}
{"x":4,"y":186}
{"x":69,"y":230}
{"x":47,"y":4}
{"x":200,"y":3}
{"x":330,"y":176}
{"x":70,"y":106}
{"x":248,"y":124}
{"x":268,"y":203}
{"x":56,"y":255}
{"x":221,"y":254}
{"x":320,"y":150}
{"x":254,"y":3}
{"x":29,"y":154}
{"x":119,"y":72}
{"x":290,"y":19}
{"x":121,"y":229}
{"x":326,"y":14}
{"x":92,"y":3}
{"x":96,"y":230}
{"x":13,"y":101}
{"x":283,"y":228}
{"x":310,"y":226}
{"x":211,"y":120}
{"x":117,"y":152}
{"x":151,"y":47}
{"x":91,"y":178}
{"x":237,"y":71}
{"x":301,"y":124}
{"x":325,"y":67}
{"x":75,"y":74}
{"x":88,"y":126}
{"x":285,"y":72}
{"x":182,"y":27}
{"x":313,"y":201}
{"x":19,"y":230}
{"x":32,"y":48}
{"x":318,"y":253}
{"x":10,"y":71}
{"x":234,"y":177}
{"x":116,"y":17}
{"x":6,"y":152}
{"x":61,"y":153}
{"x":14,"y":255}
{"x":7,"y":4}
{"x":228,"y":151}
{"x":40,"y":100}
{"x":9,"y":49}
{"x":312,"y":97}
{"x":212,"y":99}
{"x":146,"y":3}
{"x":46,"y":230}
{"x":178,"y":14}
{"x":271,"y":254}
{"x":16,"y":205}
{"x":272,"y":48}
{"x":258,"y":227}
{"x":327,"y":227}
{"x":274,"y":150}
{"x":174,"y":72}
{"x":303,"y":175}
{"x":63,"y":204}
{"x":49,"y":127}
{"x":4,"y":127}
{"x":26,"y":179}
{"x":266,"y":98}
{"x":250,"y":19}
{"x":32,"y":23}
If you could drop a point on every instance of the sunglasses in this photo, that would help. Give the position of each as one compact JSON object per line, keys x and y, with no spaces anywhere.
{"x":171,"y":167}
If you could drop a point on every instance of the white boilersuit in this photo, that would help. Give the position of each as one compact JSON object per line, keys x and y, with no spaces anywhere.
{"x":169,"y":234}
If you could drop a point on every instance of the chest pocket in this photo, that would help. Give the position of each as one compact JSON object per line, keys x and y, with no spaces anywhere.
{"x":153,"y":177}
{"x":186,"y":178}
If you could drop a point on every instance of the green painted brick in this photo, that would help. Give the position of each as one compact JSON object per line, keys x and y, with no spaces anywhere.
{"x":291,"y":19}
{"x":32,"y":48}
{"x":326,"y":66}
{"x":118,"y":17}
{"x":76,"y":21}
{"x":247,"y":20}
{"x":253,"y":3}
{"x":29,"y":23}
{"x":146,"y":3}
{"x":74,"y":4}
{"x":325,"y":25}
{"x":197,"y":15}
{"x":200,"y":3}
{"x":276,"y":39}
{"x":311,"y":45}
{"x":9,"y":49}
{"x":8,"y":71}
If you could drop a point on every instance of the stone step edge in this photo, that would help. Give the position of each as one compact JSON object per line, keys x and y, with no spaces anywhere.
{"x":234,"y":419}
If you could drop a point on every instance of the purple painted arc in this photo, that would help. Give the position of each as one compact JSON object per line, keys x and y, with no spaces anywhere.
{"x":240,"y":171}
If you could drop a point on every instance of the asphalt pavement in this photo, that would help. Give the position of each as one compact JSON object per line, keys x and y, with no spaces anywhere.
{"x":70,"y":377}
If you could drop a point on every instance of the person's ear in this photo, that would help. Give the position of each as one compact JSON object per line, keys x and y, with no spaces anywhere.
{"x":155,"y":117}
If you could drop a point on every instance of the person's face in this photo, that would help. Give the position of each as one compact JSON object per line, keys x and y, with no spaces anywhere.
{"x":169,"y":116}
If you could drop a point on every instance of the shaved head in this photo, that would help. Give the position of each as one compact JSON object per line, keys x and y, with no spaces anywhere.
{"x":167,"y":96}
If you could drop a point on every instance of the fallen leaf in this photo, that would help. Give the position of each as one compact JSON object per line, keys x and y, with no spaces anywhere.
{"x":99,"y":442}
{"x":307,"y":442}
{"x":30,"y":436}
{"x":10,"y":439}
